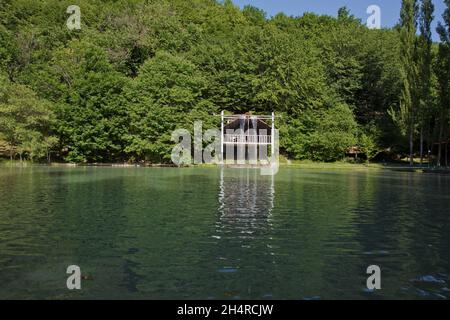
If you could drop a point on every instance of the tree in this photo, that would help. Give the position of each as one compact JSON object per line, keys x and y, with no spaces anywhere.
{"x":408,"y":104}
{"x":139,"y":69}
{"x":335,"y":130}
{"x":91,"y":108}
{"x":425,"y":66}
{"x":25,"y":121}
{"x":367,"y":140}
{"x":170,"y":91}
{"x":254,"y":15}
{"x":442,"y":72}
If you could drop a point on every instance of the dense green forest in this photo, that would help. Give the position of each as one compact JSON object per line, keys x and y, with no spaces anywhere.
{"x":138,"y":69}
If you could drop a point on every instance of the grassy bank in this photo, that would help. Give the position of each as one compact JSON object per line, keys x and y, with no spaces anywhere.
{"x":14,"y":163}
{"x":284,"y":163}
{"x":305,"y":164}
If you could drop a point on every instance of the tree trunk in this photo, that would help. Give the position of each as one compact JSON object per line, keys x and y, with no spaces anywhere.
{"x":421,"y":146}
{"x":411,"y":143}
{"x":446,"y":155}
{"x":429,"y":145}
{"x":439,"y":155}
{"x":441,"y":134}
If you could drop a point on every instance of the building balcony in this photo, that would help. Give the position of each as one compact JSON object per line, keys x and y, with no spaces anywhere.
{"x":247,"y":139}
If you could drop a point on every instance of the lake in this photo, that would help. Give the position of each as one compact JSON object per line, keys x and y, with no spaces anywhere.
{"x":207,"y":233}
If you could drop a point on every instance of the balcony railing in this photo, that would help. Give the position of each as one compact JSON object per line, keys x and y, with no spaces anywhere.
{"x":247,"y":139}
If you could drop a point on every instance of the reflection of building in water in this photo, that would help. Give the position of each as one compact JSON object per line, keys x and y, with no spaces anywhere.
{"x":243,"y":229}
{"x":245,"y":194}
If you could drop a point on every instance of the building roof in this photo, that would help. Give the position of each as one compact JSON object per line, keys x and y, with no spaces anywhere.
{"x":234,"y":121}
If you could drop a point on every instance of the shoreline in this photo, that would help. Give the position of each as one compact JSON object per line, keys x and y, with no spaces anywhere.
{"x":284,"y":164}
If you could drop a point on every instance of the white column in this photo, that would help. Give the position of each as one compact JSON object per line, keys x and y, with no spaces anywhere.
{"x":272,"y":134}
{"x":222,"y":137}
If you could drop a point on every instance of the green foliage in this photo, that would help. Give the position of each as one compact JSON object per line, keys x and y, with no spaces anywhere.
{"x":91,"y":108}
{"x":321,"y":135}
{"x":335,"y":131}
{"x":137,"y":70}
{"x":25,"y":121}
{"x":410,"y":73}
{"x":167,"y":95}
{"x":443,"y":78}
{"x":368,"y":140}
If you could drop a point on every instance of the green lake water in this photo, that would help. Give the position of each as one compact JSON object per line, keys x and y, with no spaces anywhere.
{"x":207,"y":233}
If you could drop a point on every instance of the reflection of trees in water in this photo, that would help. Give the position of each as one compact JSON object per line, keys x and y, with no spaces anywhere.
{"x":414,"y":243}
{"x":244,"y":228}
